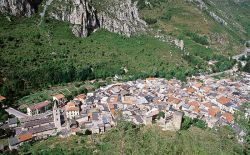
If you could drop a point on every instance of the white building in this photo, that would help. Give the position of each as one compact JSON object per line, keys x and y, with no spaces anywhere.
{"x":71,"y":110}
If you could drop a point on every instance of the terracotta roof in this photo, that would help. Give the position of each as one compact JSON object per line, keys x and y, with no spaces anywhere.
{"x":72,"y":109}
{"x":221,"y":89}
{"x":228,"y":117}
{"x":40,"y":105}
{"x":207,"y":104}
{"x":25,"y":137}
{"x":174,"y":100}
{"x":190,"y":90}
{"x":59,"y":96}
{"x":2,"y":98}
{"x":198,"y":85}
{"x":81,"y":96}
{"x":71,"y":106}
{"x":194,"y":103}
{"x":213,"y":111}
{"x":223,"y":100}
{"x":206,"y":89}
{"x":196,"y":109}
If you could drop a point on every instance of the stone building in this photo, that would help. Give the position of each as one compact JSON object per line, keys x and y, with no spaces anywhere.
{"x":57,"y":117}
{"x":174,"y":121}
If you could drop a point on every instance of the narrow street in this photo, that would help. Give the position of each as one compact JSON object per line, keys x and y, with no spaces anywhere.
{"x":16,"y":113}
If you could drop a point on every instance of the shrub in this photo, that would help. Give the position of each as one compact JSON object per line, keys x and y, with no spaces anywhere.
{"x":167,"y":16}
{"x":88,"y":132}
{"x":161,"y":115}
{"x":197,"y":38}
{"x":150,"y":21}
{"x":248,"y":44}
{"x":188,"y":122}
{"x":247,"y":67}
{"x":200,"y":123}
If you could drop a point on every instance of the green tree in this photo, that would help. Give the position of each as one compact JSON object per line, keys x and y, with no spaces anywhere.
{"x":248,"y":44}
{"x":161,"y":115}
{"x":200,"y":123}
{"x":247,"y":67}
{"x":186,"y":123}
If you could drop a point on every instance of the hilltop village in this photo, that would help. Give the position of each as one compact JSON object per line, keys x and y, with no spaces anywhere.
{"x":141,"y":102}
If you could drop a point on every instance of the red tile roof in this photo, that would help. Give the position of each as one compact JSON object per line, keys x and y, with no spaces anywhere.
{"x":198,"y":85}
{"x":81,"y":96}
{"x":40,"y":105}
{"x":228,"y":117}
{"x":194,"y":103}
{"x":174,"y":100}
{"x":25,"y":137}
{"x":223,"y":100}
{"x":213,"y":111}
{"x":59,"y":96}
{"x":207,"y":104}
{"x":71,"y":106}
{"x":206,"y":89}
{"x":2,"y":98}
{"x":196,"y":109}
{"x":190,"y":90}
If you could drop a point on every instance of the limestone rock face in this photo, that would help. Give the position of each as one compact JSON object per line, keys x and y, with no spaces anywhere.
{"x":79,"y":13}
{"x":16,"y":7}
{"x":120,"y":17}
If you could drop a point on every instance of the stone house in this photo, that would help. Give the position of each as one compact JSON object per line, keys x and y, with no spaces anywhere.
{"x":38,"y":108}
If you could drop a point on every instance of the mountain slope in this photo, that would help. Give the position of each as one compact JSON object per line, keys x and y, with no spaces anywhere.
{"x":205,"y":18}
{"x":37,"y":52}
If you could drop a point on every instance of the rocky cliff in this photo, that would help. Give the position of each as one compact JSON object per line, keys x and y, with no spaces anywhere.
{"x":122,"y":17}
{"x":16,"y":7}
{"x":119,"y":16}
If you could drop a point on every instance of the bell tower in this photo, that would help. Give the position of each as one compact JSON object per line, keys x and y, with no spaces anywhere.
{"x":57,"y":118}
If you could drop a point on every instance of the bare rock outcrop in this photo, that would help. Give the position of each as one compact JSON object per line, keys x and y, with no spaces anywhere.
{"x":16,"y":7}
{"x":119,"y":16}
{"x":79,"y":13}
{"x":122,"y":17}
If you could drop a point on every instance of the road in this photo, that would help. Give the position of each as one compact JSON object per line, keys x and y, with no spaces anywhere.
{"x":236,"y":57}
{"x":16,"y":113}
{"x":235,"y":67}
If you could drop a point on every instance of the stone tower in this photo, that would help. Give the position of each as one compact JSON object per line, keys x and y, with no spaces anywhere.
{"x":177,"y":119}
{"x":57,"y":118}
